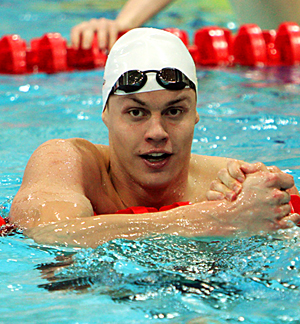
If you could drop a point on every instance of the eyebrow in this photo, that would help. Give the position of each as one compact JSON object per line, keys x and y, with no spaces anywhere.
{"x":173,"y":102}
{"x":170,"y":103}
{"x":137,"y":101}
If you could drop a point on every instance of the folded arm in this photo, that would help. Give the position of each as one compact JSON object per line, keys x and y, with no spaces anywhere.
{"x":229,"y":184}
{"x":259,"y":207}
{"x":230,"y":180}
{"x":56,"y":203}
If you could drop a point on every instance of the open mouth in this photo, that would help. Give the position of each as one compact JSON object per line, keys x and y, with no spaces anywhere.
{"x":155,"y":157}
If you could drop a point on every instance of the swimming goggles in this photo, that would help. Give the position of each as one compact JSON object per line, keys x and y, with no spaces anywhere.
{"x":168,"y":78}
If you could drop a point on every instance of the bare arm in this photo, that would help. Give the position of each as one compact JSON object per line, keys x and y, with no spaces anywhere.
{"x":133,"y":14}
{"x":59,"y":183}
{"x":137,"y":12}
{"x":260,"y":206}
{"x":56,"y":201}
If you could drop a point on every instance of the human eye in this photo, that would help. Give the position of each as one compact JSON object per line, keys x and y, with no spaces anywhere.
{"x":174,"y":112}
{"x":137,"y":113}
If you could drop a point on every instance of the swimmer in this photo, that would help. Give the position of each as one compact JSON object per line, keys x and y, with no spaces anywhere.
{"x":134,"y":14}
{"x":267,"y":14}
{"x":72,"y":189}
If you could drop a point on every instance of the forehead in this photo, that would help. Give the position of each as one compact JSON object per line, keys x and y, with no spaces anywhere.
{"x":153,"y":98}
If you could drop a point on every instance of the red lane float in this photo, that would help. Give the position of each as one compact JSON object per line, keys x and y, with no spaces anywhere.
{"x":12,"y":55}
{"x":287,"y":43}
{"x":249,"y":47}
{"x":212,"y":46}
{"x":49,"y":54}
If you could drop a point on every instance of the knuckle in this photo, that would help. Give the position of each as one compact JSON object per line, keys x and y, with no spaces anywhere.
{"x":273,"y":169}
{"x":94,"y":20}
{"x":233,"y":165}
{"x":272,"y":177}
{"x":260,"y":166}
{"x":214,"y":184}
{"x":231,"y":162}
{"x":83,"y":25}
{"x":277,"y":194}
{"x":103,"y":22}
{"x":222,"y":172}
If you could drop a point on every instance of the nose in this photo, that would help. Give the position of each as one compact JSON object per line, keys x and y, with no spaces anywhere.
{"x":156,"y":130}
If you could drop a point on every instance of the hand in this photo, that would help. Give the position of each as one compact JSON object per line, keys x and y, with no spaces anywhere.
{"x":107,"y":32}
{"x":229,"y":181}
{"x":263,"y":202}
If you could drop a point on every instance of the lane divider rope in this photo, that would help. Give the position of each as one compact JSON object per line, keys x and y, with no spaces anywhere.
{"x":212,"y":46}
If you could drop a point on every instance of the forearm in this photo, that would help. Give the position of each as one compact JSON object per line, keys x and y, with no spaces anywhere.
{"x":137,"y":12}
{"x":202,"y":219}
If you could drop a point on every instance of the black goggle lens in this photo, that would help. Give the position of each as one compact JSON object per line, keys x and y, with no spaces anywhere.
{"x":130,"y":81}
{"x":169,"y":78}
{"x":173,"y":79}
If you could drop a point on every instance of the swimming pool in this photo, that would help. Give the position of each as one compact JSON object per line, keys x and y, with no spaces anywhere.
{"x":251,"y":114}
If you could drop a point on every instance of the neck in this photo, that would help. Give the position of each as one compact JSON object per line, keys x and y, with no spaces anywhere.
{"x":134,"y":194}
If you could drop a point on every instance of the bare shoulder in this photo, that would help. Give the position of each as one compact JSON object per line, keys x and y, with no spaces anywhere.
{"x":208,"y":164}
{"x":71,"y":146}
{"x":68,"y":149}
{"x":61,"y":176}
{"x":203,"y":170}
{"x":65,"y":161}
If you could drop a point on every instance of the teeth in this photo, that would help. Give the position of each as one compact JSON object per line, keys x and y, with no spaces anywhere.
{"x":155,"y":157}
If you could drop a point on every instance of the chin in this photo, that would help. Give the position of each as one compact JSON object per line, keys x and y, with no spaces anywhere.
{"x":156,"y":182}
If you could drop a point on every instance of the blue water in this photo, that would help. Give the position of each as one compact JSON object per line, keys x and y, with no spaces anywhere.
{"x":250,"y":114}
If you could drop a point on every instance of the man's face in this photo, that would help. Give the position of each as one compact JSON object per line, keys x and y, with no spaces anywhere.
{"x":150,"y":136}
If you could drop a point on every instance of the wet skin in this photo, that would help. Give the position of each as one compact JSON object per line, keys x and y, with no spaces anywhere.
{"x":150,"y":138}
{"x":148,"y":163}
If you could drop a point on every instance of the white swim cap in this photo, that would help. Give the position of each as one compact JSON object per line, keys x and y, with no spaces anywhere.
{"x":146,"y":49}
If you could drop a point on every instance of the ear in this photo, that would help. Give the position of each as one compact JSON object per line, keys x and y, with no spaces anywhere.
{"x":105,"y":116}
{"x":197,"y":118}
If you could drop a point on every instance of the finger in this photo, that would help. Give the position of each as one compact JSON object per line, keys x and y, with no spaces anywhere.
{"x":253,"y":167}
{"x":75,"y":36}
{"x":279,"y":180}
{"x":280,"y":212}
{"x":223,"y":189}
{"x":280,"y":197}
{"x":88,"y":32}
{"x":289,"y":221}
{"x":103,"y":33}
{"x":293,"y":191}
{"x":87,"y":37}
{"x":214,"y":195}
{"x":286,"y":197}
{"x":234,"y":169}
{"x":273,"y":169}
{"x":231,"y":183}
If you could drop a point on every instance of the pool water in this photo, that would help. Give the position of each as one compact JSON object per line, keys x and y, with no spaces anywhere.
{"x":246,"y":113}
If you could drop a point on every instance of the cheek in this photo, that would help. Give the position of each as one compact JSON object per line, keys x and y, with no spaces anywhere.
{"x":122,"y":135}
{"x":184,"y":133}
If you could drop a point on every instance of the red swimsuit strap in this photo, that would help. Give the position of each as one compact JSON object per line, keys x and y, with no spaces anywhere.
{"x":142,"y":209}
